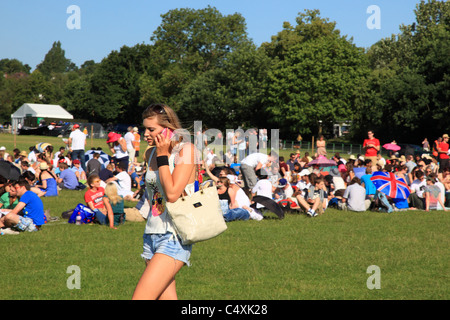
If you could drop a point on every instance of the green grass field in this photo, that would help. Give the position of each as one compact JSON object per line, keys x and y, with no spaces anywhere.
{"x":296,"y":258}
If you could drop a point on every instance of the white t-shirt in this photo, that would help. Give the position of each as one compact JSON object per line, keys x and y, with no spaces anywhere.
{"x":123,"y":184}
{"x":242,"y":199}
{"x":32,"y":157}
{"x":302,"y":185}
{"x":209,"y":158}
{"x":356,"y":196}
{"x":417,"y":185}
{"x":253,"y":159}
{"x":263,"y":188}
{"x":338,"y":183}
{"x":78,"y":139}
{"x":442,"y":188}
{"x":129,"y":138}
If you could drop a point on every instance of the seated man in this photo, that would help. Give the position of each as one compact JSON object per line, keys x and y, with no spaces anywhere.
{"x":67,"y":178}
{"x":28,"y":215}
{"x":123,"y":181}
{"x":107,"y":172}
{"x":354,"y":198}
{"x":94,"y":165}
{"x":79,"y":172}
{"x":313,"y":201}
{"x":416,"y":198}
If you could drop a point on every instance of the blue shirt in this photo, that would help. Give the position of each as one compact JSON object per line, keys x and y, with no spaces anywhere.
{"x":34,"y":208}
{"x":52,"y":188}
{"x":368,"y":184}
{"x":359,"y":171}
{"x":69,"y":178}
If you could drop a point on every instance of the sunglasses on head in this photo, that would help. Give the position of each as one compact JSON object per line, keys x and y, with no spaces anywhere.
{"x":158,"y":108}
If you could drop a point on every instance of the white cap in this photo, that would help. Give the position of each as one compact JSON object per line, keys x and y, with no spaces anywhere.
{"x":305,"y":172}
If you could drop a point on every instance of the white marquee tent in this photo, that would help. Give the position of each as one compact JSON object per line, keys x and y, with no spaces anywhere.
{"x":38,"y":111}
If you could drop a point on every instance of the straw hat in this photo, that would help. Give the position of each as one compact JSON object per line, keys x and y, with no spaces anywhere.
{"x":43,"y":166}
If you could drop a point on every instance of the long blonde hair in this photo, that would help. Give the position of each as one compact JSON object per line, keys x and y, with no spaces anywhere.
{"x":165,"y":116}
{"x":111,"y":193}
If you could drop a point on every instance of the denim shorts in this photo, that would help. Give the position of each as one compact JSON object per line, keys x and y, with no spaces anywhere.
{"x":168,"y":244}
{"x":25,"y":224}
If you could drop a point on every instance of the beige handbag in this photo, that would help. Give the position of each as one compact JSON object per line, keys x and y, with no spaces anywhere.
{"x":197,"y":217}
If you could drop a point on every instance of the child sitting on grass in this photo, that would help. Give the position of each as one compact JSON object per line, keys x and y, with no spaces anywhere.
{"x":116,"y":202}
{"x":97,"y":202}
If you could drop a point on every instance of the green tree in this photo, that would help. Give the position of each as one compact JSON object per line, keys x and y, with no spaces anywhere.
{"x":309,"y":27}
{"x":114,"y":85}
{"x":187,"y":43}
{"x":198,"y":39}
{"x":315,"y":80}
{"x":229,"y":96}
{"x":12,"y":66}
{"x":409,"y":83}
{"x":55,"y":61}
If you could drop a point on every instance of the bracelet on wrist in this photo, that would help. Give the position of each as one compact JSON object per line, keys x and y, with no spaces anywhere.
{"x":162,"y":161}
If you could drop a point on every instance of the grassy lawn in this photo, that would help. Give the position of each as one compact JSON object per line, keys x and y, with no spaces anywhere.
{"x":295,"y":258}
{"x":326,"y":257}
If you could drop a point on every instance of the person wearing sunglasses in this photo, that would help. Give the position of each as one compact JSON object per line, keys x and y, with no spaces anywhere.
{"x":171,"y":171}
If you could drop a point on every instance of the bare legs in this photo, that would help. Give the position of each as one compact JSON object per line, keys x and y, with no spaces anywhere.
{"x":158,"y":280}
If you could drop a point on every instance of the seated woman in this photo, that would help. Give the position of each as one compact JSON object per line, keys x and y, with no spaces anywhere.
{"x":97,"y":202}
{"x":47,"y":181}
{"x":433,"y":196}
{"x":9,"y":199}
{"x":116,"y":202}
{"x":240,"y":199}
{"x":227,"y":197}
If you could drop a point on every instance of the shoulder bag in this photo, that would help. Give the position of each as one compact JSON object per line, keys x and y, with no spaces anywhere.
{"x":197,"y":217}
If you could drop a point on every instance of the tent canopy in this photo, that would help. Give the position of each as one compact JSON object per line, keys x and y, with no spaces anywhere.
{"x":41,"y":110}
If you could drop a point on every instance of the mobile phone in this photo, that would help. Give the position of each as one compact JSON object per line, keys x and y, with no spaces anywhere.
{"x":163,"y":133}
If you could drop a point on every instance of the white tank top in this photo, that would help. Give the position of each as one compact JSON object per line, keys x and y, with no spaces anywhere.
{"x":119,"y":152}
{"x":158,"y":220}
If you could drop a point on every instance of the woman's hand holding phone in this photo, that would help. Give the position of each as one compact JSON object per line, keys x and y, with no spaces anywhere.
{"x":163,"y":142}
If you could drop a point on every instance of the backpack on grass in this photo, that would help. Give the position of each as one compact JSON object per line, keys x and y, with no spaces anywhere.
{"x":87,"y":215}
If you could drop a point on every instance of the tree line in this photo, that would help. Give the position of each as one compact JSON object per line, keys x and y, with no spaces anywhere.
{"x":308,"y":77}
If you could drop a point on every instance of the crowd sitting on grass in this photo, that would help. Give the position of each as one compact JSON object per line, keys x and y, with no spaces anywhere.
{"x":294,"y":184}
{"x":297,"y":185}
{"x":45,"y":174}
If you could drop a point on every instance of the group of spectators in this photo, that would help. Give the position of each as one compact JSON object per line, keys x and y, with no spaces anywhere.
{"x":296,"y":184}
{"x":293,"y":183}
{"x":44,"y":173}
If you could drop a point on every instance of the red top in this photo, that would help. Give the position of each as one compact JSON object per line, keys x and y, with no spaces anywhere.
{"x":96,"y":197}
{"x":371,"y":152}
{"x":443,"y":146}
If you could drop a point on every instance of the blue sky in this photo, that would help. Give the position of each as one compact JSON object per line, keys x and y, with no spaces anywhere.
{"x":28,"y":28}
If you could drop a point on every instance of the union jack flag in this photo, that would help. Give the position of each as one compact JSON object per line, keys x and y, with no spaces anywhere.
{"x":391,"y":185}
